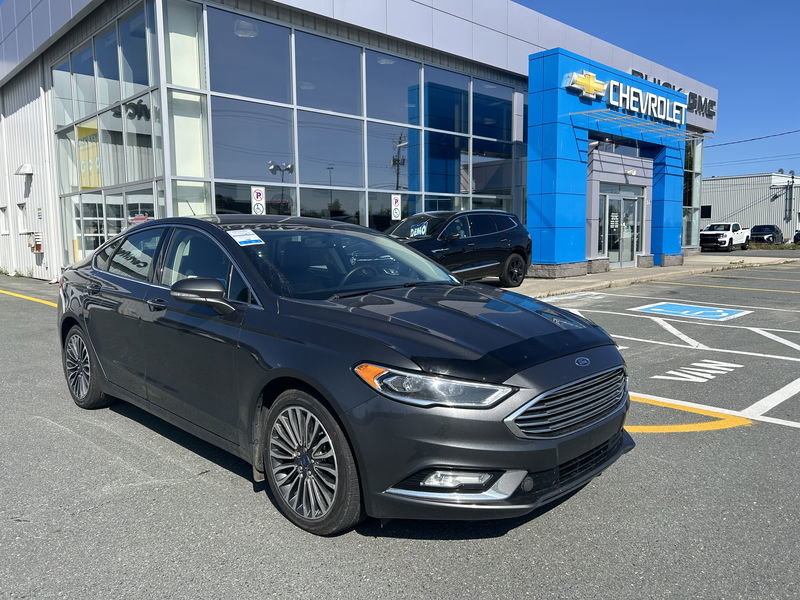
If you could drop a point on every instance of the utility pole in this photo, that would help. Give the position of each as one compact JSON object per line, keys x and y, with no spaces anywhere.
{"x":398,"y":160}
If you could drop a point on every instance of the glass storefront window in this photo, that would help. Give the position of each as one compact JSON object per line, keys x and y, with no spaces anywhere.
{"x":601,"y":231}
{"x":446,"y":203}
{"x":248,"y":137}
{"x":338,"y":205}
{"x":392,"y":88}
{"x":139,"y":139}
{"x":235,"y":198}
{"x":393,"y":159}
{"x":491,"y":167}
{"x":67,"y":167}
{"x":88,"y":155}
{"x":495,"y":203}
{"x":71,"y":209}
{"x":133,"y":43}
{"x":105,"y":49}
{"x":64,"y":111}
{"x":158,"y":136}
{"x":446,"y":163}
{"x":248,"y":57}
{"x":328,"y":74}
{"x":112,"y":151}
{"x":492,"y":109}
{"x":185,"y":49}
{"x":83,"y":76}
{"x":330,"y":150}
{"x":380,"y":209}
{"x":446,"y":100}
{"x":93,"y":221}
{"x":152,"y":41}
{"x":115,"y":214}
{"x":139,"y":204}
{"x":188,"y":128}
{"x":190,"y":198}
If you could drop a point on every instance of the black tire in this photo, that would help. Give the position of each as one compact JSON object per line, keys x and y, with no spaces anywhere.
{"x":729,"y":247}
{"x":309,"y":463}
{"x":746,"y":244}
{"x":513,"y":271}
{"x":82,"y":372}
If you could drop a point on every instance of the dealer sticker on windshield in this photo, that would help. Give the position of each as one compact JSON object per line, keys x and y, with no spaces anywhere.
{"x":245,"y":237}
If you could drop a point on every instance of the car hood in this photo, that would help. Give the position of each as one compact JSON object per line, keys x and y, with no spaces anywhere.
{"x":472,"y":331}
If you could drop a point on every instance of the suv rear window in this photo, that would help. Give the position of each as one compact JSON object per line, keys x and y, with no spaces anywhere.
{"x":504,"y":222}
{"x":418,"y":226}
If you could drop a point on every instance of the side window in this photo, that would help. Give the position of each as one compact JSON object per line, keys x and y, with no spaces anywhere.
{"x":194,"y":254}
{"x":238,"y":290}
{"x":503,"y":222}
{"x":103,"y":255}
{"x":735,"y":228}
{"x":135,"y":255}
{"x":459,"y":226}
{"x":482,"y":224}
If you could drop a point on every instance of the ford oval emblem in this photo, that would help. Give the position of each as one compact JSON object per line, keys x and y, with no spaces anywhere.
{"x":582,"y":361}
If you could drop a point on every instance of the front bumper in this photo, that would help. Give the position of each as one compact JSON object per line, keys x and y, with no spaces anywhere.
{"x":395,"y":442}
{"x":713,"y":242}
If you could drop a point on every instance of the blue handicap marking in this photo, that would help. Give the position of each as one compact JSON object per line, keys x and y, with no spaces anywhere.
{"x":692,"y":311}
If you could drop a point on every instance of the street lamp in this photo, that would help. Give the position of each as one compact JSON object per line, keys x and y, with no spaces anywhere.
{"x":284,"y":168}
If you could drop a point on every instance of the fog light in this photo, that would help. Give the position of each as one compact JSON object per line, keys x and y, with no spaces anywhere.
{"x":455,"y":479}
{"x":527,"y":484}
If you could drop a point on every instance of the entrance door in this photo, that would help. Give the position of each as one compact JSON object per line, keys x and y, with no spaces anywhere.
{"x":622,"y":222}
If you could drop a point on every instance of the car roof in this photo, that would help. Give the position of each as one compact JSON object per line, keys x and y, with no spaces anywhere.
{"x":231,"y":221}
{"x":450,"y":213}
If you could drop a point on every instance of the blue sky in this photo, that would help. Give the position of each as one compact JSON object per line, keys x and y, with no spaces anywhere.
{"x":749,"y":51}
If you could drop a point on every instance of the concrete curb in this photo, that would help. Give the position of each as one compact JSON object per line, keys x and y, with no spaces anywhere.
{"x":615,"y":283}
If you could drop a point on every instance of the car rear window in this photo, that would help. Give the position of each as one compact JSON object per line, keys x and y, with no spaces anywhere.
{"x":504,"y":222}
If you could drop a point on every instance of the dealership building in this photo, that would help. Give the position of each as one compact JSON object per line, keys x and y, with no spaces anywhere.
{"x":113,"y":112}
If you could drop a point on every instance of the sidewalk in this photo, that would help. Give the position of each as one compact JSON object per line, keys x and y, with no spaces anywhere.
{"x":693,"y":265}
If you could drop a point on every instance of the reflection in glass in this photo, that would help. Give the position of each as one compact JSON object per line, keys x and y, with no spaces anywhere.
{"x":105,"y":49}
{"x":139,"y":138}
{"x":115,"y":214}
{"x":247,"y":136}
{"x":88,"y":155}
{"x":235,"y":198}
{"x":446,"y":100}
{"x":184,"y":25}
{"x":328,"y":74}
{"x":132,"y":40}
{"x":491,"y":167}
{"x":139,"y":205}
{"x":64,"y":111}
{"x":158,"y":136}
{"x":446,"y":203}
{"x":392,"y":88}
{"x":338,"y":205}
{"x":446,"y":163}
{"x":71,"y":209}
{"x":93,"y":220}
{"x":248,"y":57}
{"x":601,"y":231}
{"x":67,"y":166}
{"x":188,"y":128}
{"x":494,"y":203}
{"x":83,"y":75}
{"x":492,"y":109}
{"x":393,"y":157}
{"x":330,"y":150}
{"x":380,"y":209}
{"x":112,"y":151}
{"x":191,"y":198}
{"x":152,"y":40}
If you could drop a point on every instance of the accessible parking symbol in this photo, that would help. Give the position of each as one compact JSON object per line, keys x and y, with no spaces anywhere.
{"x":692,"y":311}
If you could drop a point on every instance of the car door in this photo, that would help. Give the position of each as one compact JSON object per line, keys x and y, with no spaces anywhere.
{"x":115,"y":305}
{"x":191,"y":348}
{"x":489,"y":248}
{"x":453,"y":251}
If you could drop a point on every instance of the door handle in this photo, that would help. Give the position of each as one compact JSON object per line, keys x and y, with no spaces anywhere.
{"x":93,"y":288}
{"x":471,"y":245}
{"x":504,"y":240}
{"x":157,"y":304}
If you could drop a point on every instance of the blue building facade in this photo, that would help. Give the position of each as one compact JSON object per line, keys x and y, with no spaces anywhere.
{"x":575,"y":105}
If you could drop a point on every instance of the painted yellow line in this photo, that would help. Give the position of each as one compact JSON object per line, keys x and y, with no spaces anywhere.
{"x":39,"y":300}
{"x":721,"y":420}
{"x":726,"y":287}
{"x":745,"y":277}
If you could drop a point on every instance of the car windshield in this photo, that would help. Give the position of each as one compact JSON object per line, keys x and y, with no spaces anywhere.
{"x":719,"y":227}
{"x":317,"y":264}
{"x":418,"y":226}
{"x":762,"y":229}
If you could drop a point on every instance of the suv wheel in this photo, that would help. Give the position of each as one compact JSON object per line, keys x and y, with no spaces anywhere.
{"x":513,"y":272}
{"x":81,"y":372}
{"x":309,"y":465}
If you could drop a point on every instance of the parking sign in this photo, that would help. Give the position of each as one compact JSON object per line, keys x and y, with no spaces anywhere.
{"x":258,"y":200}
{"x":397,"y":211}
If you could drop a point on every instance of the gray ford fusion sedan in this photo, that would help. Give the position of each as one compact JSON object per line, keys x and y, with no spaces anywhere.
{"x":355,"y":375}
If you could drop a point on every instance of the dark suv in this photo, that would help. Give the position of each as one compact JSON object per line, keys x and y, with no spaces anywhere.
{"x":766,"y":234}
{"x":473,"y":244}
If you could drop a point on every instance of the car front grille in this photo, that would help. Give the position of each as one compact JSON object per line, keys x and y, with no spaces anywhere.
{"x":571,"y":407}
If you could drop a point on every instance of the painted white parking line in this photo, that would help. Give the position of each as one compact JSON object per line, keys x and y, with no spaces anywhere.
{"x":774,"y":399}
{"x":720,"y":350}
{"x":775,"y":338}
{"x":735,"y":413}
{"x":699,"y":372}
{"x":681,"y":336}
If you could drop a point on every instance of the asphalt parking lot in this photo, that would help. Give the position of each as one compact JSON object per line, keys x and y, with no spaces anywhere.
{"x":115,"y":503}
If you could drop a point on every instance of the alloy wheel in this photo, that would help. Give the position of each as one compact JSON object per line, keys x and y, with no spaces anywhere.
{"x":78,"y":366}
{"x":303,"y":462}
{"x":516,"y":270}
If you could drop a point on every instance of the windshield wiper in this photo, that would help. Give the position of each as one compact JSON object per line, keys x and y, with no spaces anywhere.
{"x":410,"y":284}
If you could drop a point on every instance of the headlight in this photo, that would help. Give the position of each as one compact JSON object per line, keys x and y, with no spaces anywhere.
{"x":428,"y":390}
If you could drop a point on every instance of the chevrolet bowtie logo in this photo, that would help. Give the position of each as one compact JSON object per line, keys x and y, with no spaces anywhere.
{"x":587,"y":84}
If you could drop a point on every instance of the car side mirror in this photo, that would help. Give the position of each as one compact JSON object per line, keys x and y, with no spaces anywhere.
{"x":202,"y":290}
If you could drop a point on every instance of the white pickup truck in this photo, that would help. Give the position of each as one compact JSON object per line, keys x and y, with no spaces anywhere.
{"x":725,"y":236}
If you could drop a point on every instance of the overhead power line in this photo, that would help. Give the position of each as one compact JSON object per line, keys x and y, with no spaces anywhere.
{"x":763,"y":137}
{"x":753,"y":159}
